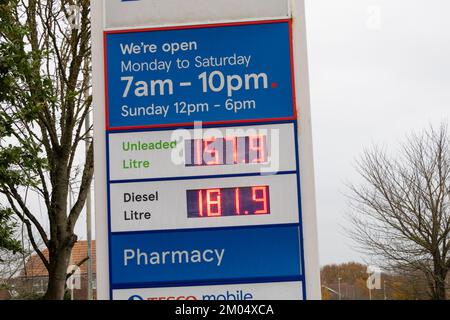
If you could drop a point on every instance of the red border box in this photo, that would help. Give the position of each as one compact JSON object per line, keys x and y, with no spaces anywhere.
{"x":214,"y":25}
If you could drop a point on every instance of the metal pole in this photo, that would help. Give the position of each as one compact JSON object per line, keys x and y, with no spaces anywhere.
{"x":87,"y":123}
{"x":384,"y":290}
{"x":71,"y":277}
{"x":339,"y":284}
{"x":88,"y":222}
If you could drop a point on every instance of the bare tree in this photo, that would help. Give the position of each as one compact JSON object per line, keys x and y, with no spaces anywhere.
{"x":401,"y":213}
{"x":45,"y":50}
{"x":13,"y":266}
{"x":10,"y":265}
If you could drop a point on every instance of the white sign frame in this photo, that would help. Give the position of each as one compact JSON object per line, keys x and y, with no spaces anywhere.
{"x":309,"y":223}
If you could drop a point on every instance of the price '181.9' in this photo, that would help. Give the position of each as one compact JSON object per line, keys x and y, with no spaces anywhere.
{"x":219,"y":202}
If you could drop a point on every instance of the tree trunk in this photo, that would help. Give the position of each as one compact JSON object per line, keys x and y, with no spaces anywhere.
{"x":440,"y":287}
{"x":59,"y":262}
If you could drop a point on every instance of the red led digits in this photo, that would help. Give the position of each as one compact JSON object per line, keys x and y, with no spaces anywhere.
{"x":237,"y":199}
{"x":257,"y":146}
{"x":229,"y":150}
{"x":211,"y":153}
{"x":198,"y":146}
{"x":212,"y":204}
{"x":200,"y":203}
{"x":220,"y":202}
{"x":260,"y":196}
{"x":234,"y":150}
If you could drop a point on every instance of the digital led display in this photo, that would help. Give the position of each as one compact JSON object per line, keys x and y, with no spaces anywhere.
{"x":221,"y":202}
{"x":226,"y":151}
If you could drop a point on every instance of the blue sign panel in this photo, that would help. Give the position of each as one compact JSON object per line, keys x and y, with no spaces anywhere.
{"x":206,"y":255}
{"x":212,"y":74}
{"x":222,"y":75}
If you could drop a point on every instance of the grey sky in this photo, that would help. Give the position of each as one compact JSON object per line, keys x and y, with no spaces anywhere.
{"x":373,"y":80}
{"x":370,"y":83}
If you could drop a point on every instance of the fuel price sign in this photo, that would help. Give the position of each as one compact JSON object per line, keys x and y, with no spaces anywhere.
{"x":222,"y":202}
{"x":203,"y":168}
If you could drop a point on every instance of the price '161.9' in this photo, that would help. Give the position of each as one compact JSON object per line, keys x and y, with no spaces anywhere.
{"x":226,"y":151}
{"x":220,"y":202}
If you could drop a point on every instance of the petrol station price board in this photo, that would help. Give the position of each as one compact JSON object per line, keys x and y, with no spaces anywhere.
{"x":207,"y":213}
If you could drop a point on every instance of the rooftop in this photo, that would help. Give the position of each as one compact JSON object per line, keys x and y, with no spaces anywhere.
{"x":35,"y":268}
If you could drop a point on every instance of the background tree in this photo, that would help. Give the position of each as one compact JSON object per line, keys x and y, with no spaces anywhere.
{"x":353,"y":282}
{"x":8,"y":242}
{"x":45,"y":53}
{"x":401,"y":213}
{"x":408,"y":286}
{"x":7,"y":223}
{"x":13,"y":264}
{"x":350,"y":277}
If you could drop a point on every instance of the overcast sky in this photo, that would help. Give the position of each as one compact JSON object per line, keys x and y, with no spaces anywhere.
{"x":373,"y":80}
{"x":378,"y":70}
